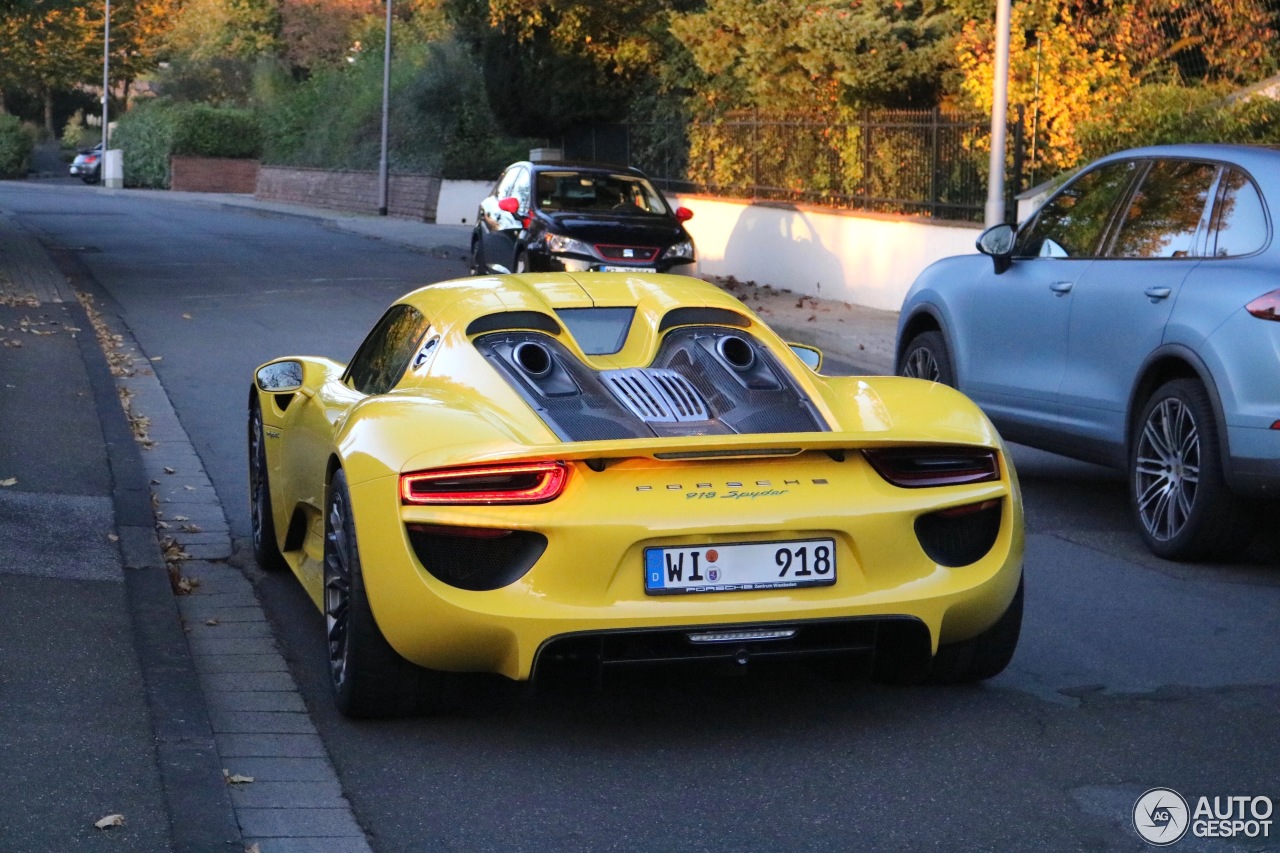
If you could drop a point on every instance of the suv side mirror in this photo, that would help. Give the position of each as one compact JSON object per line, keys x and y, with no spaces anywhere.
{"x":997,"y":241}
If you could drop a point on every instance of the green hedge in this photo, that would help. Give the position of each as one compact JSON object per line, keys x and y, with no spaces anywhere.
{"x":1157,"y":114}
{"x":152,"y":132}
{"x":16,"y":143}
{"x":201,"y":130}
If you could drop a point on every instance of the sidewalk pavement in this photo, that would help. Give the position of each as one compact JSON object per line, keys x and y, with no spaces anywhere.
{"x":116,"y":697}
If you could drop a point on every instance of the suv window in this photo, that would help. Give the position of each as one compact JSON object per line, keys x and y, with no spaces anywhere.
{"x":381,"y":360}
{"x":1071,"y":224}
{"x":1166,"y":211}
{"x":1240,"y":222}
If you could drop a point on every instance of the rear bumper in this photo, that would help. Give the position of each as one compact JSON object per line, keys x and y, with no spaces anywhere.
{"x":584,"y":599}
{"x":1255,"y":462}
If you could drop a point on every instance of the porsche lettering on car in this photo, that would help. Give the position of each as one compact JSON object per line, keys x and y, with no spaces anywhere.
{"x":547,"y":473}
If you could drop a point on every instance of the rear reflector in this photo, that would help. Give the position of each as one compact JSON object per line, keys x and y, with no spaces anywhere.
{"x":922,"y":467}
{"x":514,"y":483}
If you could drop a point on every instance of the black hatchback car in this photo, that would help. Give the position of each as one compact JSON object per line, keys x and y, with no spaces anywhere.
{"x":570,"y":217}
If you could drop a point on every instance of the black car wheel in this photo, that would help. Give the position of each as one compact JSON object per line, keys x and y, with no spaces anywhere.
{"x":926,"y":357}
{"x":522,"y":262}
{"x":261,"y":522}
{"x":1179,"y":494}
{"x":984,"y":656}
{"x":369,"y":678}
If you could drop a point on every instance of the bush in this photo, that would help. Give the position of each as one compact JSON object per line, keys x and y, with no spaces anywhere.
{"x":145,"y":134}
{"x":1169,"y":113}
{"x":204,"y":131}
{"x":16,"y":142}
{"x":440,"y":117}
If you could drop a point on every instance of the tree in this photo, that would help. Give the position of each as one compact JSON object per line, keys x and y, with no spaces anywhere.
{"x":779,"y":55}
{"x":240,"y":29}
{"x":49,"y":45}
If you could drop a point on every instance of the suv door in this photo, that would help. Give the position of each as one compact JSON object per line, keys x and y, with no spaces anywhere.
{"x":1122,"y":302}
{"x":1016,"y":322}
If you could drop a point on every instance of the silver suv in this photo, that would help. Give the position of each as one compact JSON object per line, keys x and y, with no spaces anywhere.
{"x":1133,"y":322}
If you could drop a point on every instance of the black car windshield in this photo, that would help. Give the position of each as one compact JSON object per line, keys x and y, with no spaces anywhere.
{"x":597,"y":192}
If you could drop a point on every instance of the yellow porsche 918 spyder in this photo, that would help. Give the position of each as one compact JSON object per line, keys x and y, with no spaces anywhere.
{"x":546,"y":473}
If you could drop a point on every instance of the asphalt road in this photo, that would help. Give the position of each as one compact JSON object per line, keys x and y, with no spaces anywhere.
{"x":1132,"y":673}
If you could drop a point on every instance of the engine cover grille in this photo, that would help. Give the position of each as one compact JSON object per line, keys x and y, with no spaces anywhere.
{"x":656,"y":395}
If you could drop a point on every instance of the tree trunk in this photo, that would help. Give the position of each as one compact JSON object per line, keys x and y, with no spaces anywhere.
{"x":48,"y":111}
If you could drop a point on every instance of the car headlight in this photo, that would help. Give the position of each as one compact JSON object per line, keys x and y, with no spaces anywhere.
{"x":680,"y":251}
{"x":561,"y":245}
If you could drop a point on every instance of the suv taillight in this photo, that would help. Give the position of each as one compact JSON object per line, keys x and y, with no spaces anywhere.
{"x":1265,"y":307}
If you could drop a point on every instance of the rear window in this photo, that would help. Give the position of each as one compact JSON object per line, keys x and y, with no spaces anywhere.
{"x":1240,"y":223}
{"x":599,"y":331}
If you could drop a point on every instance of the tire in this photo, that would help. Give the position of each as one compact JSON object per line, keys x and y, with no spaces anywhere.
{"x":926,"y":357}
{"x":984,"y":656}
{"x":369,"y":679}
{"x":522,"y":262}
{"x":266,"y":549}
{"x":1177,"y":489}
{"x":477,"y":258}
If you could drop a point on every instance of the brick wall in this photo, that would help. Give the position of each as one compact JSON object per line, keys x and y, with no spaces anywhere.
{"x":212,"y":175}
{"x":408,"y":196}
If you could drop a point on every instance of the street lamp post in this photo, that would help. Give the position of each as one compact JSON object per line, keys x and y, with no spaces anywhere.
{"x":999,"y":116}
{"x":386,"y":102}
{"x":106,"y":80}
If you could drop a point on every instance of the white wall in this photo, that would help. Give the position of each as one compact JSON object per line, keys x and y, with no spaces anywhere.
{"x":459,"y":201}
{"x":863,"y":259}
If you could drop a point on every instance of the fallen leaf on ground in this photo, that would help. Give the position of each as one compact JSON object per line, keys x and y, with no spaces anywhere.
{"x":212,"y":623}
{"x":186,"y":316}
{"x":157,"y":358}
{"x":110,"y":820}
{"x":11,"y":481}
{"x":235,"y":778}
{"x":169,"y":470}
{"x":112,"y":537}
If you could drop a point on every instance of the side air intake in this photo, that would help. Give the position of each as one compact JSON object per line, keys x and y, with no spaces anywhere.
{"x":656,"y":395}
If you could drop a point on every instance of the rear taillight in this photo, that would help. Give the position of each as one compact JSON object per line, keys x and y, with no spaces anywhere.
{"x":922,"y":467}
{"x":91,"y":160}
{"x":1265,"y":307}
{"x":503,"y":483}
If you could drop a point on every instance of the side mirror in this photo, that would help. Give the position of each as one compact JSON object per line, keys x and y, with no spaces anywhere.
{"x":280,"y":377}
{"x":811,"y":356}
{"x":997,"y":241}
{"x":684,"y":214}
{"x":510,"y":205}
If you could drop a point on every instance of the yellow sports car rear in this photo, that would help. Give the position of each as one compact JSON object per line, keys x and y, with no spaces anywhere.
{"x":547,"y":473}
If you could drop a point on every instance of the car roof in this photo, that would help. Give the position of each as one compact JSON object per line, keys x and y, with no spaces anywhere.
{"x":581,"y":166}
{"x":1266,"y":157}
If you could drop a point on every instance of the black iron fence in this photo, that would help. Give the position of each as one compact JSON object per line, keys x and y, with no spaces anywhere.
{"x":919,"y":162}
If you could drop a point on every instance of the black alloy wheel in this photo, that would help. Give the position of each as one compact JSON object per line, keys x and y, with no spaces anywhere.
{"x":926,"y":357}
{"x":522,"y":262}
{"x":1178,"y":491}
{"x":261,"y":522}
{"x":369,"y":678}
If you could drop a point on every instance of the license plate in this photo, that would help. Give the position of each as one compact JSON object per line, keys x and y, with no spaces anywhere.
{"x":628,"y":269}
{"x":739,"y":567}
